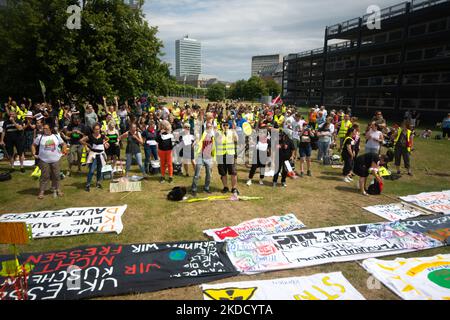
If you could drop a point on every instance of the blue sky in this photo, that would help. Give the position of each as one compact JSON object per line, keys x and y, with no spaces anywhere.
{"x":232,"y":31}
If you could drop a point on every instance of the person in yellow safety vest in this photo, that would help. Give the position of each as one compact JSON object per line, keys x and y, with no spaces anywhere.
{"x":402,"y":147}
{"x":204,"y":155}
{"x":176,"y":111}
{"x":278,"y":118}
{"x":151,"y":109}
{"x":21,"y":112}
{"x":343,"y":128}
{"x":226,"y":140}
{"x":109,"y":117}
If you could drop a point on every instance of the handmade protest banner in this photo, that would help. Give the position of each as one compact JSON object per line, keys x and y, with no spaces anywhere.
{"x":415,"y":278}
{"x":318,"y":246}
{"x":71,"y":221}
{"x":257,"y":227}
{"x":395,"y":211}
{"x":435,"y":226}
{"x":322,"y":286}
{"x":438,"y":202}
{"x":108,"y":270}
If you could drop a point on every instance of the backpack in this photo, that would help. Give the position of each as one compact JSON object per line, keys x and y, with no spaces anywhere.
{"x":376,"y":187}
{"x":5,"y":176}
{"x":177,"y":194}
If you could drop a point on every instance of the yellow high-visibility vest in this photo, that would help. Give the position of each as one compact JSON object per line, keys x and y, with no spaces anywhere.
{"x":226,"y":144}
{"x":116,"y":118}
{"x":345,"y":125}
{"x":408,"y":137}
{"x":279,"y":120}
{"x":176,"y":113}
{"x":61,"y":114}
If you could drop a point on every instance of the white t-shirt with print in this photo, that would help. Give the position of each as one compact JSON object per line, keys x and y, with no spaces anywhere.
{"x":49,"y":147}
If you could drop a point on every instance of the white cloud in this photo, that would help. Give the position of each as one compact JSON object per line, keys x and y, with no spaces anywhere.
{"x":232,"y":31}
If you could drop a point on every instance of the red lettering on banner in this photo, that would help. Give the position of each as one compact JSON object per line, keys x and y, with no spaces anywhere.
{"x":90,"y":252}
{"x":266,"y":250}
{"x":117,"y":251}
{"x":62,"y":265}
{"x":48,"y":258}
{"x":143,"y":268}
{"x":86,"y":264}
{"x":109,"y":219}
{"x":34,"y":259}
{"x":226,"y":233}
{"x":112,"y":210}
{"x":60,"y":256}
{"x":109,"y":261}
{"x":75,"y":254}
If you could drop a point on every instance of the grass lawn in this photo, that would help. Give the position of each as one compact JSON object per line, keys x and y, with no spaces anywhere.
{"x":320,"y":201}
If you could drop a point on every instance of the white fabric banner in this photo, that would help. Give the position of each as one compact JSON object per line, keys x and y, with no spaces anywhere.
{"x":414,"y":278}
{"x":438,"y":202}
{"x":318,"y":246}
{"x":257,"y":227}
{"x":70,"y":222}
{"x":395,"y":211}
{"x":322,"y":286}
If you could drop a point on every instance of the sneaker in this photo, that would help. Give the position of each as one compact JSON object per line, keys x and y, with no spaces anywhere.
{"x":301,"y":174}
{"x":346,"y":179}
{"x":410,"y":174}
{"x":68,"y":173}
{"x":88,"y":188}
{"x":350,"y":178}
{"x":365,"y":193}
{"x":235,"y":191}
{"x":194,"y":194}
{"x":249,"y":183}
{"x":162,"y":180}
{"x":284,"y":184}
{"x":225,"y":190}
{"x":208,"y":191}
{"x":309,"y":173}
{"x":170,"y":180}
{"x":261,"y":182}
{"x":99,"y":186}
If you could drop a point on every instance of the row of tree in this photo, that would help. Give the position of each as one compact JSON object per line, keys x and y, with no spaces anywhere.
{"x":249,"y":90}
{"x":115,"y":52}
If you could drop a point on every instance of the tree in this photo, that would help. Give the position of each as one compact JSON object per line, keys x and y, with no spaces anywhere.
{"x":237,"y":90}
{"x":216,"y":92}
{"x":273,"y":88}
{"x":115,"y":52}
{"x":254,"y":88}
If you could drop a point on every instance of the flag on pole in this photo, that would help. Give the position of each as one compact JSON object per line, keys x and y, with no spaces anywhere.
{"x":277,"y":100}
{"x":43,"y":89}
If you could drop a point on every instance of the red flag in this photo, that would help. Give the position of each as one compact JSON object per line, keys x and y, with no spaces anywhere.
{"x":277,"y":100}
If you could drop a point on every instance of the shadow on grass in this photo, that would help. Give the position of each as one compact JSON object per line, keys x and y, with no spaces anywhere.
{"x":29,"y":191}
{"x":332,"y":173}
{"x":331,"y":178}
{"x":347,"y":189}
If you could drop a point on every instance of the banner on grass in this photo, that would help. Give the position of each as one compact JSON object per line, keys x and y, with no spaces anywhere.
{"x":322,"y":286}
{"x":109,"y":270}
{"x":438,"y":202}
{"x":414,"y":278}
{"x":70,"y":222}
{"x":395,"y":211}
{"x":257,"y":227}
{"x":318,"y":246}
{"x":436,"y":226}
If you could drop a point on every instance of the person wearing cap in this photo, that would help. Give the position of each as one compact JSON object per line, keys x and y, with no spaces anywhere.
{"x":186,"y":144}
{"x":446,"y":127}
{"x":13,"y":137}
{"x":226,"y":140}
{"x":29,"y":129}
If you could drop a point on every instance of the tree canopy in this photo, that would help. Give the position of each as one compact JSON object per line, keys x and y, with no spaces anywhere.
{"x":115,"y":52}
{"x":253,"y":88}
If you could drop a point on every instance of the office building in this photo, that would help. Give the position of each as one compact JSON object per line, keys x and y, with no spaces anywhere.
{"x":260,"y":62}
{"x":188,"y":57}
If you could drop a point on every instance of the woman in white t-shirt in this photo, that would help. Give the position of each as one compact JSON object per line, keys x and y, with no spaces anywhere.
{"x":48,"y":149}
{"x":374,"y":138}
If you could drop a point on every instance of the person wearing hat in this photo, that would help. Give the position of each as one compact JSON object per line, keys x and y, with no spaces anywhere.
{"x":186,"y":145}
{"x":29,"y":129}
{"x":226,"y":141}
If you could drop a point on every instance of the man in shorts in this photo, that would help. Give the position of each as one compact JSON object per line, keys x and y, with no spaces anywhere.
{"x":13,"y":137}
{"x":226,"y":140}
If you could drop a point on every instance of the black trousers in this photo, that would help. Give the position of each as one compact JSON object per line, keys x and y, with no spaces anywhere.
{"x":253,"y":171}
{"x":402,"y":152}
{"x":283,"y":170}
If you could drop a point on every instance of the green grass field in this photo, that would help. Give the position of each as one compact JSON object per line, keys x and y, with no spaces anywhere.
{"x":319,"y":201}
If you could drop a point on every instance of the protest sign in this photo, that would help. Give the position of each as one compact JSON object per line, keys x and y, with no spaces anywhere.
{"x":109,"y":270}
{"x":257,"y":227}
{"x":414,"y":278}
{"x":435,"y":226}
{"x":323,"y":286}
{"x":395,"y":211}
{"x":438,"y":202}
{"x":318,"y":246}
{"x":70,"y":222}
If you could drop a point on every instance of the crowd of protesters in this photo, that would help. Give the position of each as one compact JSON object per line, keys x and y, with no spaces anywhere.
{"x":174,"y":137}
